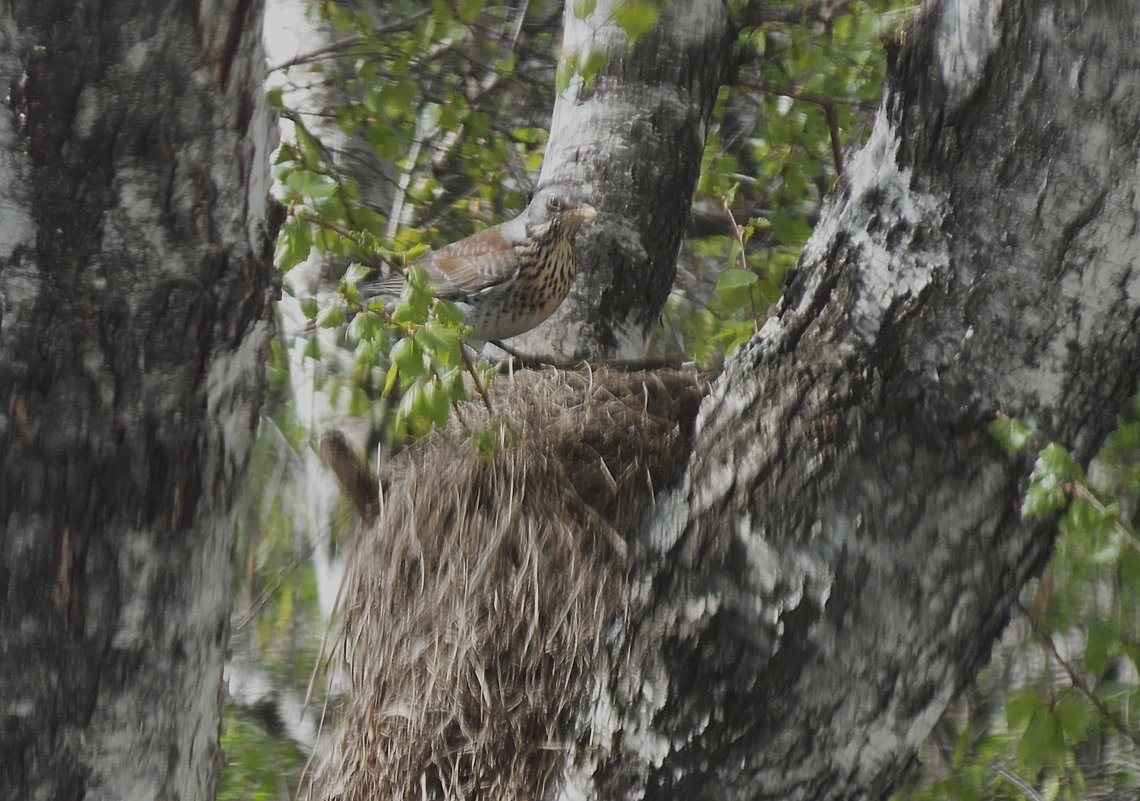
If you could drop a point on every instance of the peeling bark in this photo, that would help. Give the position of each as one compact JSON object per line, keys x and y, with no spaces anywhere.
{"x":847,"y":544}
{"x":135,"y":289}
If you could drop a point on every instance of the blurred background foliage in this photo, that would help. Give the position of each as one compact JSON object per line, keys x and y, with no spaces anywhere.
{"x":412,"y":123}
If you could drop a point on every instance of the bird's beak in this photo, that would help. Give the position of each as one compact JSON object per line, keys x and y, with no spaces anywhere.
{"x":587,"y":212}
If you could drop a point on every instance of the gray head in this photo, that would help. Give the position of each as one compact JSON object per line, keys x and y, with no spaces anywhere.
{"x":556,"y":214}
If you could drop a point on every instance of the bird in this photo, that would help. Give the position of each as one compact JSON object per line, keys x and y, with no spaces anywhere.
{"x":508,"y":278}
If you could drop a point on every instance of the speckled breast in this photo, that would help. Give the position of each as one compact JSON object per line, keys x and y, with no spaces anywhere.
{"x":517,"y":306}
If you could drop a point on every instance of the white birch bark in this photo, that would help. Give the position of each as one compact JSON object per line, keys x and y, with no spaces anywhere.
{"x":135,"y":289}
{"x":847,"y":543}
{"x":631,"y":143}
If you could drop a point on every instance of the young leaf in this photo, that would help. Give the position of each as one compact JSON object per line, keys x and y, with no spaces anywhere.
{"x":636,"y":18}
{"x":332,"y":315}
{"x":1012,"y":434}
{"x":408,"y":357}
{"x":1021,"y":706}
{"x":583,"y":8}
{"x":735,"y":278}
{"x":1074,"y":719}
{"x":567,"y":69}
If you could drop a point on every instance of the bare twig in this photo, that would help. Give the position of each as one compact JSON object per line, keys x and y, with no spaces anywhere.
{"x":335,"y":48}
{"x":475,"y":377}
{"x":1018,"y":782}
{"x":833,"y":130}
{"x":522,"y":361}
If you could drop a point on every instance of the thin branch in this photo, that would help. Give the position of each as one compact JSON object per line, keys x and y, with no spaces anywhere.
{"x":1077,"y":681}
{"x":1122,"y":527}
{"x":521,"y":361}
{"x":827,"y":104}
{"x":516,"y":29}
{"x":335,"y":48}
{"x":1018,"y":782}
{"x":475,"y":377}
{"x":374,"y":260}
{"x":833,"y":129}
{"x":825,"y":11}
{"x":800,"y":94}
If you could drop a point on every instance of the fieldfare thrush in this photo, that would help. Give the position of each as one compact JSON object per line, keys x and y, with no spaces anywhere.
{"x":509,"y":278}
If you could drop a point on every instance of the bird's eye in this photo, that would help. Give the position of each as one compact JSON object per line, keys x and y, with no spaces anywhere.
{"x":555,"y":204}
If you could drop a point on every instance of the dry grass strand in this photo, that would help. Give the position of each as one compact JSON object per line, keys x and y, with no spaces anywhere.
{"x":477,"y":601}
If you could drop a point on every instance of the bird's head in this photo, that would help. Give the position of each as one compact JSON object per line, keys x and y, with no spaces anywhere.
{"x":559,"y":215}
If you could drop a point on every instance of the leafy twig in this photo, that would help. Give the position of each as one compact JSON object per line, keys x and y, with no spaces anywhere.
{"x":1077,"y":681}
{"x":1083,"y":492}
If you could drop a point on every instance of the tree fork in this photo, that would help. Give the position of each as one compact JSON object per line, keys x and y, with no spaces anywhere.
{"x":846,"y":545}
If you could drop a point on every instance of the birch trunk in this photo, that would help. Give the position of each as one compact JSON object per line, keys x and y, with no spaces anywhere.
{"x":632,"y":140}
{"x":135,"y":289}
{"x":847,"y":543}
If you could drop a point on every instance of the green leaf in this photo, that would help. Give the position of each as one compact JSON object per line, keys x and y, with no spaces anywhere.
{"x":409,"y":414}
{"x":383,"y":141}
{"x":567,"y":69}
{"x":439,"y":342}
{"x":441,"y":12}
{"x":311,"y":184}
{"x":1058,"y":461}
{"x":1100,"y":638}
{"x":294,"y":243}
{"x":1012,"y":434}
{"x":449,"y":314}
{"x":396,"y":99}
{"x":789,"y":230}
{"x":437,"y":402}
{"x":1042,"y":738}
{"x":636,"y":18}
{"x":355,"y":273}
{"x":366,"y":353}
{"x":1074,"y":719}
{"x":390,"y":379}
{"x":735,"y":278}
{"x":1086,"y":519}
{"x":415,"y":299}
{"x":583,"y":8}
{"x":332,"y":315}
{"x":592,"y":64}
{"x":1045,"y":496}
{"x":469,"y":9}
{"x":418,"y":282}
{"x":408,"y":357}
{"x":479,"y":124}
{"x":365,"y":327}
{"x":1021,"y":706}
{"x":735,"y":333}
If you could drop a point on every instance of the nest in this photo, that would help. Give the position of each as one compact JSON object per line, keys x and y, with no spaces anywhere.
{"x":479,"y":597}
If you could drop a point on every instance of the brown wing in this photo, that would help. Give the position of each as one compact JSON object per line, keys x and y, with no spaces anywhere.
{"x":466,"y":267}
{"x":471,"y":265}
